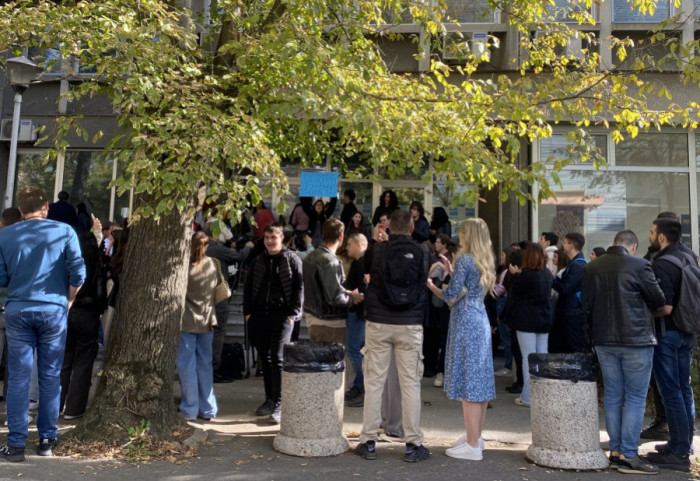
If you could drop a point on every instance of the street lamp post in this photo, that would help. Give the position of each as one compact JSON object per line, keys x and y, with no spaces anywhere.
{"x":20,"y":72}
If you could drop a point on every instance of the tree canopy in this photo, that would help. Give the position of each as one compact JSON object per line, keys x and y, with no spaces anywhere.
{"x":305,"y":80}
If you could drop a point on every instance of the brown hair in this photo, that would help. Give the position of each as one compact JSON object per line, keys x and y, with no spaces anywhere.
{"x":200,"y":241}
{"x":10,"y":216}
{"x":275,"y":228}
{"x":31,"y":199}
{"x":534,"y":257}
{"x":332,"y":231}
{"x":401,"y":222}
{"x":121,"y":237}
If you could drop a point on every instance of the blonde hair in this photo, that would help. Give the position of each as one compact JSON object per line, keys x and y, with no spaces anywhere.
{"x":476,"y":242}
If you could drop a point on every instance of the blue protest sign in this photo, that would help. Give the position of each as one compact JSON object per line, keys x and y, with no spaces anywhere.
{"x":319,"y":184}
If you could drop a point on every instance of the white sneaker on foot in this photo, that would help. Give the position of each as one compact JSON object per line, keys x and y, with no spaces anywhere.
{"x":465,"y":451}
{"x":503,"y":372}
{"x":463,"y":440}
{"x":439,"y":380}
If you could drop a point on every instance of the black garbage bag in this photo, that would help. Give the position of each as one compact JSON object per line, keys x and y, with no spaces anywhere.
{"x":314,"y":357}
{"x":567,"y":367}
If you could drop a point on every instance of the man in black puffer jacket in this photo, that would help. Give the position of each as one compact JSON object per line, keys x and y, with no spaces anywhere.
{"x":620,"y":292}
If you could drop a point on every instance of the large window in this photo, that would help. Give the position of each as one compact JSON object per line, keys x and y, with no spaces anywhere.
{"x":598,"y":204}
{"x":470,"y":11}
{"x":624,"y":13}
{"x":34,"y":171}
{"x":86,"y":176}
{"x":647,"y":175}
{"x":653,"y":150}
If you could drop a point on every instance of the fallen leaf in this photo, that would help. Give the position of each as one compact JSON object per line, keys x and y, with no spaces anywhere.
{"x":303,"y":464}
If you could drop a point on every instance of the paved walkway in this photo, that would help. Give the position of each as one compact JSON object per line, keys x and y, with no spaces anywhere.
{"x":239,"y":447}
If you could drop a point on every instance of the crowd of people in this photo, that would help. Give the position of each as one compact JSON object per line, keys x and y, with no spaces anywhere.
{"x":406,"y":299}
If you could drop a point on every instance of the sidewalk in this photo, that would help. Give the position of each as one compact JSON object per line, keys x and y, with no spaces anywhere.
{"x":240,"y":447}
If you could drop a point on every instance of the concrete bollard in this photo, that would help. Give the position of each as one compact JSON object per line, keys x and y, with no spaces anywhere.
{"x":564,"y":419}
{"x":313,"y":390}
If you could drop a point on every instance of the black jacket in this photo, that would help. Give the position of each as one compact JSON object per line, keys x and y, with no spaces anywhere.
{"x":324,"y":294}
{"x":378,"y":311}
{"x":356,"y":280}
{"x":290,"y":277}
{"x":567,"y":333}
{"x":528,"y":308}
{"x":669,"y":277}
{"x":619,"y":293}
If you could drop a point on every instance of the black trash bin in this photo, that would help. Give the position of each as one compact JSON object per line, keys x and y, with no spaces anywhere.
{"x":313,"y":388}
{"x":313,"y":357}
{"x":566,"y":367}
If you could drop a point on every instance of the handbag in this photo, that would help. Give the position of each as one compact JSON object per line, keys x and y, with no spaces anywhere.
{"x":222,"y":291}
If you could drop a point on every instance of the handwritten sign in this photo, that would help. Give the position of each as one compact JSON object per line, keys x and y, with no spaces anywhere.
{"x":319,"y":184}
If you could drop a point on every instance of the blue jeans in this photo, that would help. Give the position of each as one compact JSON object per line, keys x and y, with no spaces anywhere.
{"x":626,"y":372}
{"x":194,"y":366}
{"x":672,"y":372}
{"x":530,"y":342}
{"x":45,"y":331}
{"x":355,"y":342}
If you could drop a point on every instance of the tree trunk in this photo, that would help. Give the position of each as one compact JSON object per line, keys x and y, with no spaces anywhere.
{"x":137,"y":382}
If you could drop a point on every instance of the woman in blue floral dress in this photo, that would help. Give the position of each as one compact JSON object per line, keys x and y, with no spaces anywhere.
{"x":469,"y":363}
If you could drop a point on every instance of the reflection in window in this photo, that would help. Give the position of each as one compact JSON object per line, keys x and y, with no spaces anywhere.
{"x":623,"y":12}
{"x":34,"y":171}
{"x":557,"y":147}
{"x":598,"y":204}
{"x":442,"y":197}
{"x":363,"y":201}
{"x":470,"y":11}
{"x":562,"y":10}
{"x":48,"y":58}
{"x":85,"y":177}
{"x":653,"y":150}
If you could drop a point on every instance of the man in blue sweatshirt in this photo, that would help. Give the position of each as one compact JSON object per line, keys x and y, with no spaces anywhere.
{"x":42,"y":268}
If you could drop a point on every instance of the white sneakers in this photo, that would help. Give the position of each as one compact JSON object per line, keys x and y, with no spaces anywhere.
{"x":463,"y":440}
{"x":439,"y":380}
{"x":465,"y":451}
{"x":503,"y":372}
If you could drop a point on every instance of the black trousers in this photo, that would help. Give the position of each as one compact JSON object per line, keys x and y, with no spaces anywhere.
{"x":269,"y":333}
{"x":81,"y":350}
{"x":222,"y":310}
{"x":517,"y":358}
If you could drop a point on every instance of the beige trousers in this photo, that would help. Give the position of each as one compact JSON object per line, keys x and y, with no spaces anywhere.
{"x":406,"y":343}
{"x":326,"y":331}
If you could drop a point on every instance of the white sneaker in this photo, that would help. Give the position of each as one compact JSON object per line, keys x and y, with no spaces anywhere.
{"x":439,"y":380}
{"x":463,"y":440}
{"x":503,"y":372}
{"x":465,"y":451}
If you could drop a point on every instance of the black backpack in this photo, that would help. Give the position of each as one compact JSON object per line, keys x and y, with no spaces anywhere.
{"x":686,"y":314}
{"x":404,"y":277}
{"x":233,"y":361}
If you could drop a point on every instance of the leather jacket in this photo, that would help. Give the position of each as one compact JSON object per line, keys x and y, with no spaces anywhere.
{"x":619,"y":293}
{"x":324,"y":294}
